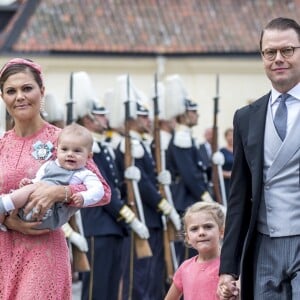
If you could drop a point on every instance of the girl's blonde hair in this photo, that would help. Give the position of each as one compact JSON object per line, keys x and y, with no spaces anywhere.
{"x":213,"y":208}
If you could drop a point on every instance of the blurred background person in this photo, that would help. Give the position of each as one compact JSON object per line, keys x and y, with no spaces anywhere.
{"x":54,"y":111}
{"x":205,"y":150}
{"x":228,"y":159}
{"x":189,"y":184}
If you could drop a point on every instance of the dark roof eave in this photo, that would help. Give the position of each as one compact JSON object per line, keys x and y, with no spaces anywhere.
{"x":27,"y":9}
{"x":138,"y":54}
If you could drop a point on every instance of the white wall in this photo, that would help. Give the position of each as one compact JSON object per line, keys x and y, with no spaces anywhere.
{"x":240,"y":80}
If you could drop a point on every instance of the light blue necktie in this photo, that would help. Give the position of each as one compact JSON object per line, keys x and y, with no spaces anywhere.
{"x":280,"y":119}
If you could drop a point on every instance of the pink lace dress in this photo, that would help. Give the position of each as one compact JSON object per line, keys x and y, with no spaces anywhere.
{"x":31,"y":267}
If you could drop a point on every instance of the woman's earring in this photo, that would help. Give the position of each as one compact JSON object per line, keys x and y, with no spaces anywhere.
{"x":42,"y":109}
{"x":42,"y":106}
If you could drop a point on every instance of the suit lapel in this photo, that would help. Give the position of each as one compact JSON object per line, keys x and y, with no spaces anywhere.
{"x":290,"y":145}
{"x":256,"y":133}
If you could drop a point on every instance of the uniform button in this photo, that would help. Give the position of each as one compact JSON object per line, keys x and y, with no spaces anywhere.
{"x":272,"y":230}
{"x":269,"y":209}
{"x":267,"y":187}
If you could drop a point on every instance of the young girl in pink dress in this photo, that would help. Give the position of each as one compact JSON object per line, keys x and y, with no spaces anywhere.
{"x":197,"y":277}
{"x":34,"y":264}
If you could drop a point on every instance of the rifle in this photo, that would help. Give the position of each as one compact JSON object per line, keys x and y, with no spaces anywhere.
{"x":133,"y":197}
{"x":168,"y":227}
{"x":215,"y":177}
{"x":70,"y":102}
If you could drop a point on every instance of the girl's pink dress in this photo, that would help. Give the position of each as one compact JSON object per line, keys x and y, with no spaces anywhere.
{"x":32,"y":267}
{"x":198,"y":280}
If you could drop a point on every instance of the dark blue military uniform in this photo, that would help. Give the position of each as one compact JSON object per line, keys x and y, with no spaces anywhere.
{"x":188,"y":179}
{"x":148,"y":278}
{"x":206,"y":161}
{"x":105,"y":235}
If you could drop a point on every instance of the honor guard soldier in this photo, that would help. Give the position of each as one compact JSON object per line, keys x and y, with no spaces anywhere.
{"x":167,"y":103}
{"x":113,"y":135}
{"x":183,"y":160}
{"x":105,"y":227}
{"x":54,"y":111}
{"x":148,"y":280}
{"x":148,"y":273}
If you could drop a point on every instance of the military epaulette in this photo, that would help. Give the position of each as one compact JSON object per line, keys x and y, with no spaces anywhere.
{"x":183,"y":138}
{"x":113,"y":138}
{"x":98,"y":137}
{"x":137,"y":150}
{"x":148,"y":138}
{"x":109,"y":134}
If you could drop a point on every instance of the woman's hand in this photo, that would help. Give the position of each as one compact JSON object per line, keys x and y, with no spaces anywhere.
{"x":43,"y":197}
{"x":13,"y":222}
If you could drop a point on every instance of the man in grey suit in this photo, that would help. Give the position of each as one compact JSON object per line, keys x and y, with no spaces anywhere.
{"x":262,"y":231}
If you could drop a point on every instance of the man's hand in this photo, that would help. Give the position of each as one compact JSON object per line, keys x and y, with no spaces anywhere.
{"x":227,"y":288}
{"x":164,"y":177}
{"x":218,"y":158}
{"x":175,"y":219}
{"x":206,"y":197}
{"x":132,"y":173}
{"x":139,"y":228}
{"x":170,"y":211}
{"x":79,"y":241}
{"x":75,"y":238}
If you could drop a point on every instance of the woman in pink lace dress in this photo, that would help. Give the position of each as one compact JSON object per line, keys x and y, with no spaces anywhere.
{"x":34,"y":264}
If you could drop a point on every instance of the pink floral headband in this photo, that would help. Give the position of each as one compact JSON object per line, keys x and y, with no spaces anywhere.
{"x":22,"y":61}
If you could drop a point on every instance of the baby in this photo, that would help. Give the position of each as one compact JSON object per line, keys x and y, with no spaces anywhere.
{"x":73,"y":151}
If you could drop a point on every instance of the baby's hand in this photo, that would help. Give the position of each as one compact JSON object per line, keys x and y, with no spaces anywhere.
{"x":77,"y":199}
{"x":25,"y":181}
